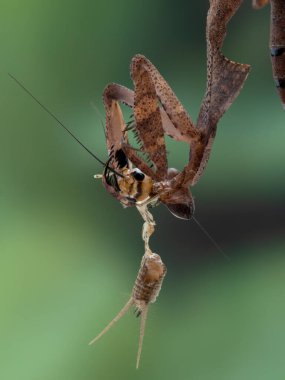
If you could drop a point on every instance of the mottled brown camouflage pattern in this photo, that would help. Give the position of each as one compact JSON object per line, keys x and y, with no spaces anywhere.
{"x":157,"y":111}
{"x":147,"y":115}
{"x":225,"y":79}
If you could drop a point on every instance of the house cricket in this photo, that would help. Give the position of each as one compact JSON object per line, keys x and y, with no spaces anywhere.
{"x":145,"y":291}
{"x":277,"y":42}
{"x":158,"y":112}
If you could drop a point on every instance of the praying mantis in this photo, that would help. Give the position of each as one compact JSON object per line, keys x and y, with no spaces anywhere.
{"x":158,"y":112}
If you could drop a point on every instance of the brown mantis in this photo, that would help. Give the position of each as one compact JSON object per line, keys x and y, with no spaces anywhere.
{"x":158,"y":112}
{"x":277,"y":42}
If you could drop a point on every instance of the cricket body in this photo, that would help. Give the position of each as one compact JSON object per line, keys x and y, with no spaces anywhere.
{"x":145,"y":291}
{"x":277,"y":42}
{"x":158,"y":112}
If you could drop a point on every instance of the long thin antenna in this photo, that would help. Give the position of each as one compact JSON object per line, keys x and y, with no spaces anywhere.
{"x":203,"y":229}
{"x":61,"y":124}
{"x":96,"y":109}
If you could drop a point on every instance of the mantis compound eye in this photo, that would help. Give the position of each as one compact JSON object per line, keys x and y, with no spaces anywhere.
{"x":138,"y":175}
{"x":182,"y":210}
{"x":180,"y":204}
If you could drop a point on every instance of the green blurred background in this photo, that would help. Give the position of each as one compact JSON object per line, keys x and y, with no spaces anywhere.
{"x":70,"y":253}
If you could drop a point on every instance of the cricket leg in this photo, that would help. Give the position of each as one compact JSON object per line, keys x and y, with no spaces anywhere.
{"x":148,"y":226}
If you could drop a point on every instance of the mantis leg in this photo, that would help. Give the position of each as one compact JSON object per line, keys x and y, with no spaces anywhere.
{"x":148,"y":120}
{"x":225,"y":80}
{"x":176,"y":121}
{"x":117,"y":142}
{"x":277,"y":46}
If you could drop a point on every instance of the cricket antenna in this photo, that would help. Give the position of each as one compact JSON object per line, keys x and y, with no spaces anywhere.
{"x":62,"y":125}
{"x":96,"y":109}
{"x":203,"y":229}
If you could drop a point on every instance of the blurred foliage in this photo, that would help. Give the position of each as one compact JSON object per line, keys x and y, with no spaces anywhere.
{"x":70,"y":253}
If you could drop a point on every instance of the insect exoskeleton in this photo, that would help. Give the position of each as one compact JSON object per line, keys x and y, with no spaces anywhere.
{"x":145,"y":291}
{"x":135,"y":185}
{"x":149,"y":280}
